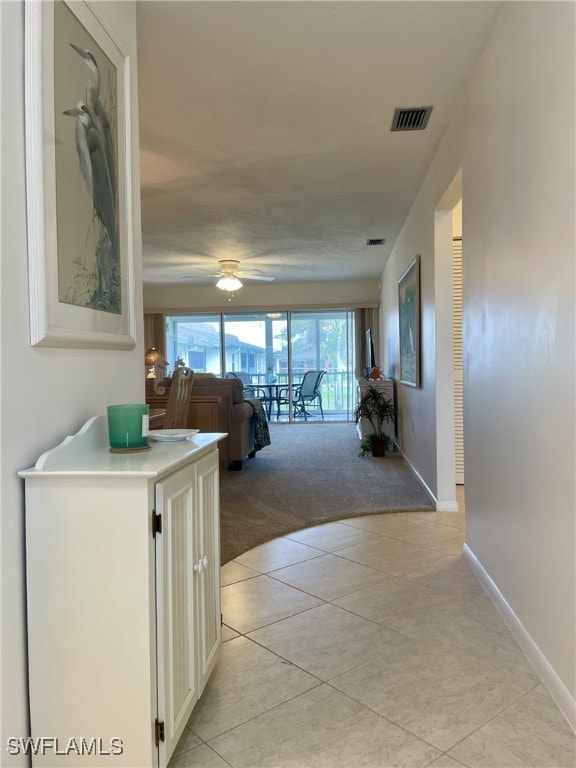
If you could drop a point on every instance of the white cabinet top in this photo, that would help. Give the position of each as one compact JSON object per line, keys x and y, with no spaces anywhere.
{"x":87,"y":453}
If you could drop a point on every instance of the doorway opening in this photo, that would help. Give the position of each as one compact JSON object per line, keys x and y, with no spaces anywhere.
{"x":448,"y":341}
{"x":457,"y":272}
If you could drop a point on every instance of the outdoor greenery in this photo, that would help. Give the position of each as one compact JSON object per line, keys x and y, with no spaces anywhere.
{"x":319,"y":341}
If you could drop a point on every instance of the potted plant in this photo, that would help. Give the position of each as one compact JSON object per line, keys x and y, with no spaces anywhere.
{"x":377,"y":409}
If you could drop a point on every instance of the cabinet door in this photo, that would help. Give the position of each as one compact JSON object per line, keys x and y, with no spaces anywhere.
{"x":207,"y":565}
{"x":175,"y":605}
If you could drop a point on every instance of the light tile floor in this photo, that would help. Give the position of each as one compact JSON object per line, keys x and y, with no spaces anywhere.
{"x":369,"y":643}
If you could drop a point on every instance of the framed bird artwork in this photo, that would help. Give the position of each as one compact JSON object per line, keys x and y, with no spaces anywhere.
{"x":409,"y":324}
{"x":78,"y":179}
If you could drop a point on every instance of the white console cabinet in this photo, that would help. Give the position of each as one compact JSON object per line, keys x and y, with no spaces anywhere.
{"x":364,"y":428}
{"x":123,"y":587}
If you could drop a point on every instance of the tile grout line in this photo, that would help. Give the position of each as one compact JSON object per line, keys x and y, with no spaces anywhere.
{"x":414,"y":580}
{"x":494,"y":716}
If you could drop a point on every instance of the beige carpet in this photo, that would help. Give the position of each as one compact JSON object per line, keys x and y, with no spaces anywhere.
{"x":311,"y":474}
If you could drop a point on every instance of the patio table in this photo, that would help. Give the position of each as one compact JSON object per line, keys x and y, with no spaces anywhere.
{"x":271,"y":396}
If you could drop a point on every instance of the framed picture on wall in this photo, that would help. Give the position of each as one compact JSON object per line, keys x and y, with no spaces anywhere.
{"x":409,"y":319}
{"x":79,"y":197}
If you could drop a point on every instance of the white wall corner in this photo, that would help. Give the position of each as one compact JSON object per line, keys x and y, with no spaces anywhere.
{"x":561,"y":695}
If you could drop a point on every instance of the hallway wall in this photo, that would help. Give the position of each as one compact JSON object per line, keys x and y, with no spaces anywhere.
{"x":46,"y":393}
{"x":513,"y":137}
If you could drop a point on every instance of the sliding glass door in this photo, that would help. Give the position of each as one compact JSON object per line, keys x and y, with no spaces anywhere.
{"x":275,"y":350}
{"x":254,"y":343}
{"x":196,"y":340}
{"x":324,"y":341}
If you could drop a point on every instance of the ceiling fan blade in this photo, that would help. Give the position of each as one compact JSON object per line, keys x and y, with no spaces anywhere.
{"x":244,"y":276}
{"x":207,"y":274}
{"x":228,"y":269}
{"x":194,"y":268}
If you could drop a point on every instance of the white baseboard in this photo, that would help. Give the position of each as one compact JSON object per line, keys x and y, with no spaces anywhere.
{"x":561,"y":695}
{"x":447,"y":506}
{"x":439,"y":506}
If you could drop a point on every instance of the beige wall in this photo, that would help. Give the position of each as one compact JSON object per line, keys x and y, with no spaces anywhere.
{"x":457,"y":219}
{"x":260,"y":295}
{"x":519,"y":322}
{"x":515,"y":145}
{"x":46,"y":393}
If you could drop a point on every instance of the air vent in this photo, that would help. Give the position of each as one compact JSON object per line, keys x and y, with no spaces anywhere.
{"x":411,"y":118}
{"x":375,"y":241}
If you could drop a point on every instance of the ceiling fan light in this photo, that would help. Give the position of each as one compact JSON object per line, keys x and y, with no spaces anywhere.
{"x":229,"y":283}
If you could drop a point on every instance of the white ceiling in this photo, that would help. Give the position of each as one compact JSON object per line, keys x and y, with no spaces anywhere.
{"x":265,"y":129}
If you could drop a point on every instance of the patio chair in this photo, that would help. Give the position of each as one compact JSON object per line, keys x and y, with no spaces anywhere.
{"x":304,"y":395}
{"x":250,"y":390}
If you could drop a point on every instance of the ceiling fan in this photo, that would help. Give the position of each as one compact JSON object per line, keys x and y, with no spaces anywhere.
{"x":230,"y":272}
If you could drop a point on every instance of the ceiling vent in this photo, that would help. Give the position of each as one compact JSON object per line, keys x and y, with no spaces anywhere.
{"x":375,"y":241}
{"x":411,"y":118}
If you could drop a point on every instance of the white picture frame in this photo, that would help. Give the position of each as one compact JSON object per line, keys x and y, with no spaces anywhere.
{"x":409,"y":324}
{"x":80,"y":225}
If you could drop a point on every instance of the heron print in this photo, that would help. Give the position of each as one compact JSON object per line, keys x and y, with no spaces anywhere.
{"x":93,"y":276}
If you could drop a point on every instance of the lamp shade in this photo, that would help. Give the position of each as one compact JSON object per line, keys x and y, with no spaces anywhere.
{"x":152,"y":356}
{"x":229,"y":283}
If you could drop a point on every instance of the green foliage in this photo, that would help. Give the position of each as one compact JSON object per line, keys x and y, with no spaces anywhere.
{"x":377,"y":409}
{"x":317,"y":340}
{"x":368,"y":442}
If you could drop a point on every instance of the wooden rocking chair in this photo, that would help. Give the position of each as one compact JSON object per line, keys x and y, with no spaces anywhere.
{"x":179,"y":399}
